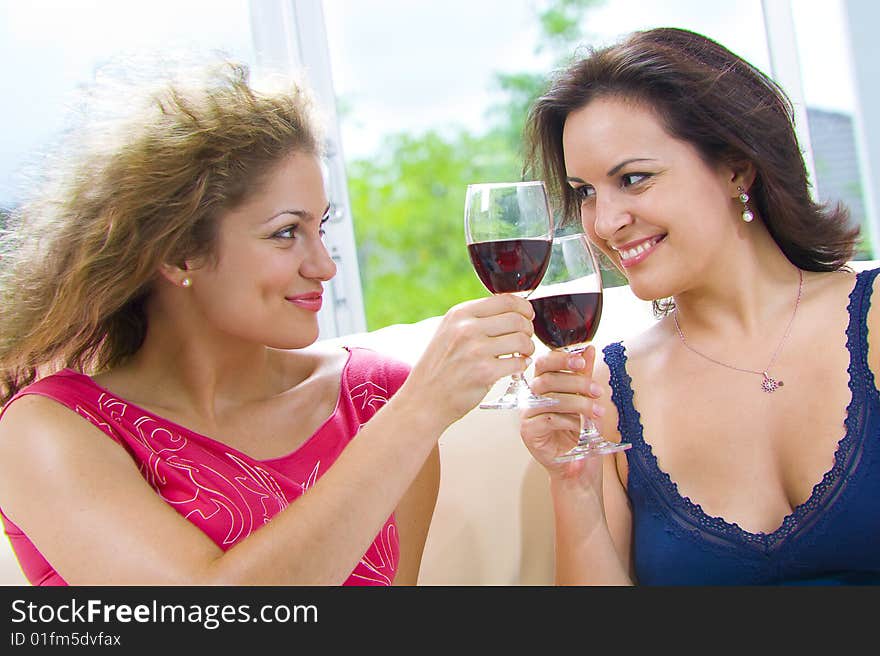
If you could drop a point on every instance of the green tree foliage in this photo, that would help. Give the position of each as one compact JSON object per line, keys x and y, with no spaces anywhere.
{"x":408,"y":208}
{"x":408,"y":199}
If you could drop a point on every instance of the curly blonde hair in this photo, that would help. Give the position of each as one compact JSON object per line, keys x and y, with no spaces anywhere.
{"x":78,"y":261}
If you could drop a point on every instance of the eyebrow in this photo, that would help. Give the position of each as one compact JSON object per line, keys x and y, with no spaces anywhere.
{"x":614,"y":170}
{"x":303,"y":214}
{"x":617,"y":168}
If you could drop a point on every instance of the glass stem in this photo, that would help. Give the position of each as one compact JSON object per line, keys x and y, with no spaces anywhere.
{"x":516,"y":375}
{"x":589,"y":432}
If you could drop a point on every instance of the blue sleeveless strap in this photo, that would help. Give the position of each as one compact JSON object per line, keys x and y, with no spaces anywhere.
{"x":629,"y":421}
{"x":861,"y":376}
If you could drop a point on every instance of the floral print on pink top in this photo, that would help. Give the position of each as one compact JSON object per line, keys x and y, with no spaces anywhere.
{"x":224,"y":492}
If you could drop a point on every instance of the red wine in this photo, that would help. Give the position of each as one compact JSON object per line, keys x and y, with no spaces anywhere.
{"x":567,"y":319}
{"x":510,"y":265}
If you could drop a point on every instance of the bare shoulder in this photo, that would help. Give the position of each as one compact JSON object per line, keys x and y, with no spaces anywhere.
{"x":828,"y":294}
{"x":828,"y":286}
{"x":80,"y":499}
{"x":649,"y":346}
{"x":319,"y":362}
{"x":34,"y":422}
{"x":644,"y":352}
{"x":36,"y":427}
{"x":43,"y":445}
{"x":635,"y":347}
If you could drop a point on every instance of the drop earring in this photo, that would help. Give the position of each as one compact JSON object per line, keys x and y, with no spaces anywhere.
{"x":747,"y":214}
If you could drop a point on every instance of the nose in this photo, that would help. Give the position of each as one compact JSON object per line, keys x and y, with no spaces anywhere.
{"x":608,"y":215}
{"x":319,"y":265}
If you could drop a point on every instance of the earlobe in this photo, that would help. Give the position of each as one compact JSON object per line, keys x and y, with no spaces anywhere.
{"x":175,"y":274}
{"x":742,"y":177}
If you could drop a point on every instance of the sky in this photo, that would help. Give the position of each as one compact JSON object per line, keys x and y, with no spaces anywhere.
{"x":398,"y":65}
{"x":423,"y":69}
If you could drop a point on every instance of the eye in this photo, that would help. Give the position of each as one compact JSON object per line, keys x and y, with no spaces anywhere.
{"x":322,"y":229}
{"x":288,"y":232}
{"x":629,"y":179}
{"x":584,"y":192}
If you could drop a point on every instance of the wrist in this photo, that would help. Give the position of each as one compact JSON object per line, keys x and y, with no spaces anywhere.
{"x":420,"y":415}
{"x":568,"y":489}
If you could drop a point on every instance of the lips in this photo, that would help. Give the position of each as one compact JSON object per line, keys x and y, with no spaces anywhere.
{"x":311,"y":302}
{"x":634,"y":252}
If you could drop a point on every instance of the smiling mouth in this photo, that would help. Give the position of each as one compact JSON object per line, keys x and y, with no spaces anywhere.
{"x":310,"y":302}
{"x":635,"y":254}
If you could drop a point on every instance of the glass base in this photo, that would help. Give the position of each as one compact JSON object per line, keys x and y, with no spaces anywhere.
{"x":590,"y":443}
{"x":517,"y":396}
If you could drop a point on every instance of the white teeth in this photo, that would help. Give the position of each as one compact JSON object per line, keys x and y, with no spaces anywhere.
{"x":630,"y":253}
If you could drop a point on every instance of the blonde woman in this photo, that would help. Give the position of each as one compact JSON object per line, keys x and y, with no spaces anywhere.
{"x":165,"y":421}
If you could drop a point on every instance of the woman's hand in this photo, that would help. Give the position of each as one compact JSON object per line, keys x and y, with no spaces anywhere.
{"x":462,"y":360}
{"x":590,"y":509}
{"x":549,"y":432}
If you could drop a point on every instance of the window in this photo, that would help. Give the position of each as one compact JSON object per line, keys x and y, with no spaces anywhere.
{"x":424,"y":98}
{"x":54,"y":45}
{"x":432,"y":96}
{"x":829,"y":89}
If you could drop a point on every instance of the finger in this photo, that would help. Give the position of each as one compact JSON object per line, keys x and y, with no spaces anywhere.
{"x":551,"y":361}
{"x":507,"y":344}
{"x":502,"y":367}
{"x":551,"y":422}
{"x":589,"y":356}
{"x":577,"y":404}
{"x":560,"y":361}
{"x":499,"y":304}
{"x":566,"y":383}
{"x":574,"y":405}
{"x":506,"y":323}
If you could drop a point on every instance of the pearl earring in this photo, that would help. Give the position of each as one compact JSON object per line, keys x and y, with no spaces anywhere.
{"x":186,"y":282}
{"x":747,"y":214}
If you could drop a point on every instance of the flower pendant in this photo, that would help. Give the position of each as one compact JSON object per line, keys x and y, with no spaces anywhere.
{"x":770,"y":384}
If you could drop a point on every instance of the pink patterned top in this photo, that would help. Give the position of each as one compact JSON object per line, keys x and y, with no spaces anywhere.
{"x":224,"y":492}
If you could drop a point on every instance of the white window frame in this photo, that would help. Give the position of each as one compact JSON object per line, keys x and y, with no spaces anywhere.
{"x":785,"y":69}
{"x":861,"y":17}
{"x":290,"y":35}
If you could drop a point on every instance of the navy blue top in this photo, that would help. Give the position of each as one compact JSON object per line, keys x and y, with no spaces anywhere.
{"x":832,"y":538}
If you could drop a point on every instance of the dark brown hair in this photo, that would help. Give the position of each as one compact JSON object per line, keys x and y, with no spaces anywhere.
{"x":727,"y":109}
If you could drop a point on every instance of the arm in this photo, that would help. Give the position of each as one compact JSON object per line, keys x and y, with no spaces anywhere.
{"x":413,"y":517}
{"x":591,"y":511}
{"x":82,"y":501}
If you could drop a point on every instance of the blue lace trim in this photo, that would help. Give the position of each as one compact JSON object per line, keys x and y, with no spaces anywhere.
{"x":861,"y":382}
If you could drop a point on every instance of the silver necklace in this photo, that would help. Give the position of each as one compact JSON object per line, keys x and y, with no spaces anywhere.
{"x":768,"y":383}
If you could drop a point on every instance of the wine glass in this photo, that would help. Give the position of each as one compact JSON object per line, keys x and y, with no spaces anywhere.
{"x":509,"y":228}
{"x":568,"y":305}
